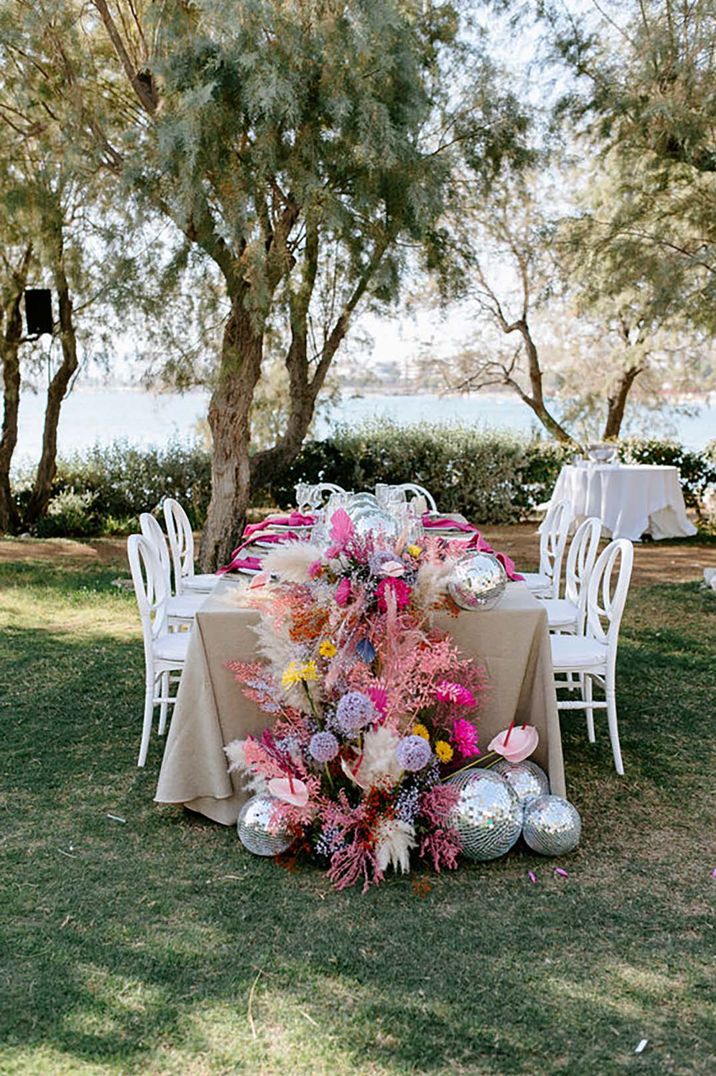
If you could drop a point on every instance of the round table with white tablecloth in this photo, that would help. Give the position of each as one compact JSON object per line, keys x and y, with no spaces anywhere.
{"x":630,"y":499}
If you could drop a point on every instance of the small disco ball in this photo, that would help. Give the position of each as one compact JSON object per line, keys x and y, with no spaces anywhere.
{"x":526,"y":777}
{"x":478,"y":581}
{"x":488,"y":816}
{"x":254,"y":827}
{"x":552,"y":826}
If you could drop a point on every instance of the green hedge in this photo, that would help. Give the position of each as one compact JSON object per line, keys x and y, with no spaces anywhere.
{"x":492,"y":476}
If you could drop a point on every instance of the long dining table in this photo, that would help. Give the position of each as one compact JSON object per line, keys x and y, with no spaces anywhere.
{"x":511,"y":643}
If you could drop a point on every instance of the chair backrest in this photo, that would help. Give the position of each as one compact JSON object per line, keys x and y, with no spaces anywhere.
{"x":581,"y":556}
{"x":420,"y":491}
{"x":181,"y":542}
{"x":150,"y":587}
{"x":552,"y":541}
{"x":607,"y":592}
{"x":152,"y":531}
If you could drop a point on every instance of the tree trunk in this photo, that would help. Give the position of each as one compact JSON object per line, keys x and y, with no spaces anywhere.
{"x":230,"y":423}
{"x":57,"y":389}
{"x":616,"y":403}
{"x":10,"y":343}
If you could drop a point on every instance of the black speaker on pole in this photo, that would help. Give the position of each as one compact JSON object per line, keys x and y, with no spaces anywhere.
{"x":38,"y":311}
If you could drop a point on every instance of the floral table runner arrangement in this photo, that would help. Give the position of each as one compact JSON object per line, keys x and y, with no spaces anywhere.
{"x":373,"y":756}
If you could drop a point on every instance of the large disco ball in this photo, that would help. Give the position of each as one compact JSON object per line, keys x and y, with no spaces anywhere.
{"x":488,"y":815}
{"x":478,"y":581}
{"x":255,"y":830}
{"x":526,"y":777}
{"x":552,"y":826}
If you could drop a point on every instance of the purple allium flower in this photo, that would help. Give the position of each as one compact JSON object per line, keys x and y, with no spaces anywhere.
{"x":354,"y":711}
{"x":413,"y":752}
{"x":323,"y":746}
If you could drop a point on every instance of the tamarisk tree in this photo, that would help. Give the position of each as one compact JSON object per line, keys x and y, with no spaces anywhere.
{"x":305,"y":147}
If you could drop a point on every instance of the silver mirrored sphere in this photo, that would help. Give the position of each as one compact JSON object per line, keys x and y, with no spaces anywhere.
{"x":254,"y":826}
{"x":478,"y":581}
{"x":488,"y":815}
{"x":552,"y":826}
{"x":527,"y":779}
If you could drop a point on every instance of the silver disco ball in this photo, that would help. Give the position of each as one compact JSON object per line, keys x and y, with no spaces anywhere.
{"x":374,"y":520}
{"x":478,"y":581}
{"x":527,"y":779}
{"x":488,"y":815}
{"x":552,"y":826}
{"x":254,"y":827}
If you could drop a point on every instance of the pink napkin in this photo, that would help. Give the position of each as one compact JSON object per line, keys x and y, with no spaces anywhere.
{"x":241,"y":562}
{"x":273,"y":539}
{"x":295,"y":519}
{"x":445,"y":521}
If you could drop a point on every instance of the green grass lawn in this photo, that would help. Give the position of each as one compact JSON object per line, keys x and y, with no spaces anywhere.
{"x":159,"y":946}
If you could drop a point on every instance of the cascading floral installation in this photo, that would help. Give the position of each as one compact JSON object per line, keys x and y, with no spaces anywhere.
{"x":372,"y":707}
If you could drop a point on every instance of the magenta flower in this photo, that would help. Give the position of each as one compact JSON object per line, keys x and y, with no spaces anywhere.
{"x":401,"y":591}
{"x":465,"y":737}
{"x":315,"y":569}
{"x":379,"y":698}
{"x":447,"y":691}
{"x":343,"y":592}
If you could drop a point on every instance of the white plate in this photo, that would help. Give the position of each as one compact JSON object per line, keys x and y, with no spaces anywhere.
{"x":248,"y":571}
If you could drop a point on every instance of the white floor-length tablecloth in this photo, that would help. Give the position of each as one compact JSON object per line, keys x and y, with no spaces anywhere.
{"x":630,"y":499}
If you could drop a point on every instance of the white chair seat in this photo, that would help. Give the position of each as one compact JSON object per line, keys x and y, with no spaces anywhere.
{"x":171,"y":646}
{"x":185,"y":606}
{"x":577,"y":652}
{"x":537,"y":581}
{"x":203,"y":583}
{"x":561,"y":613}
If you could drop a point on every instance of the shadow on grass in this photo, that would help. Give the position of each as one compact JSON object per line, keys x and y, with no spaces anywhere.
{"x":157,"y":944}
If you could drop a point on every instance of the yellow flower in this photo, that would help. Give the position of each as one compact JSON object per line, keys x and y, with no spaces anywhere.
{"x":296,"y":674}
{"x":328,"y":649}
{"x":414,"y":550}
{"x":292,"y":675}
{"x":420,"y":730}
{"x":443,"y":750}
{"x":309,"y":671}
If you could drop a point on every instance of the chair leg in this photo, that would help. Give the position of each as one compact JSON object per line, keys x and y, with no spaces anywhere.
{"x":148,"y":715}
{"x":614,"y":729}
{"x":163,"y":706}
{"x":587,"y":688}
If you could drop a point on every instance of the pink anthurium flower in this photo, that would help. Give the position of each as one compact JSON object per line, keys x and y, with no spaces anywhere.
{"x":393,"y":568}
{"x":289,"y":790}
{"x":515,"y":743}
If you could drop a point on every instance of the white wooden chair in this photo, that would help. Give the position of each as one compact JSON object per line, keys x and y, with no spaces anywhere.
{"x":552,"y":542}
{"x":420,"y":491}
{"x":567,"y":613}
{"x":181,"y":608}
{"x":181,"y":544}
{"x":592,"y":655}
{"x":164,"y":651}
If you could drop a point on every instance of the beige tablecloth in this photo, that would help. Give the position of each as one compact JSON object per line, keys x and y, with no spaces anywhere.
{"x":511,"y":642}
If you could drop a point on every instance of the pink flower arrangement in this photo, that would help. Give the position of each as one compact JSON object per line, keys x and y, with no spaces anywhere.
{"x":401,"y":592}
{"x":446,"y":691}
